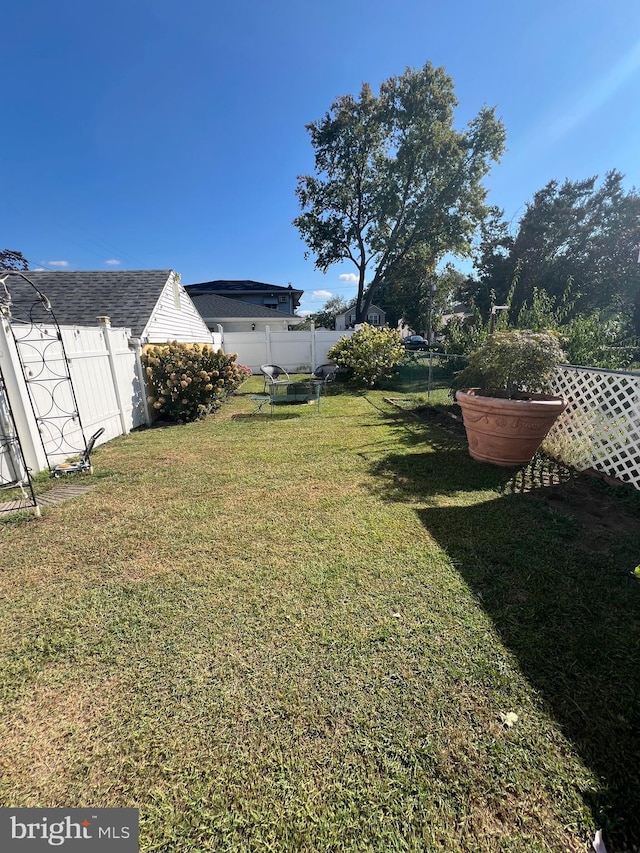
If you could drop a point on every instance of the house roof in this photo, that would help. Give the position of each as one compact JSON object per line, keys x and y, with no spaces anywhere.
{"x":77,"y":298}
{"x":353,"y":305}
{"x":227,"y":287}
{"x":210,"y":305}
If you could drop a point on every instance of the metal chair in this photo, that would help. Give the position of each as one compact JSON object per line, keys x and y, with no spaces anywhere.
{"x":271,"y":373}
{"x":326,"y":372}
{"x":83,"y":464}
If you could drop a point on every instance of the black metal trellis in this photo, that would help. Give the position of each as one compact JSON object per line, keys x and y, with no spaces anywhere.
{"x":45,"y":367}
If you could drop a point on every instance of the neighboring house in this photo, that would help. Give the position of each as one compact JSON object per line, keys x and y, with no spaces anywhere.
{"x":271,"y":296}
{"x":236,"y":316}
{"x":375,"y":317}
{"x":458,"y":311}
{"x":151,"y":303}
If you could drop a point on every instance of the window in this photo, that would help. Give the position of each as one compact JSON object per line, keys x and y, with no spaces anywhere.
{"x":284,"y":298}
{"x":374,"y":319}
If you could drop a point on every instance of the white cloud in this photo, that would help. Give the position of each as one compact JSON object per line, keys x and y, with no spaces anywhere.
{"x":322,"y":294}
{"x":112,"y":262}
{"x":38,"y":269}
{"x":57,"y":263}
{"x":348,"y":276}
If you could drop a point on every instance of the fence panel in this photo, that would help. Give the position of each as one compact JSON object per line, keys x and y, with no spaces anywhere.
{"x":251,"y":348}
{"x":295,"y":351}
{"x":292,"y":350}
{"x":600,"y":428}
{"x":92,"y":381}
{"x":98,"y":358}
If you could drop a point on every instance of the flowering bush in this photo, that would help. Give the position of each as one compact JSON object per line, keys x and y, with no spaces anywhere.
{"x":244,"y":371}
{"x":188,"y":381}
{"x":369,"y":354}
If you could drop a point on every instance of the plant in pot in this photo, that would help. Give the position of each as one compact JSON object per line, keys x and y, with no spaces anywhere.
{"x":505,"y":412}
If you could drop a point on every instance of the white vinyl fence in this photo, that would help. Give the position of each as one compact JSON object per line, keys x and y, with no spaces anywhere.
{"x":296,"y":352}
{"x":600,"y":428}
{"x":106,"y":378}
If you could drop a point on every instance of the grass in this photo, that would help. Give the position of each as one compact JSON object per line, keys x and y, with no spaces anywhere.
{"x":298,"y":632}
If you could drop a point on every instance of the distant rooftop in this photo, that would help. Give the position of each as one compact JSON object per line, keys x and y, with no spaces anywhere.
{"x":225,"y":287}
{"x":212,"y":305}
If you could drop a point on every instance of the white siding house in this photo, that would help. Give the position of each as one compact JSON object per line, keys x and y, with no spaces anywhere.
{"x":152,"y":303}
{"x":375,"y":317}
{"x":175,"y":317}
{"x":237,"y":316}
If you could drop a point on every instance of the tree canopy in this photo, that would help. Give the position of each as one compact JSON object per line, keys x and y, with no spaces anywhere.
{"x":577,"y":241}
{"x":326,"y":317}
{"x":394,"y":177}
{"x":10,"y":260}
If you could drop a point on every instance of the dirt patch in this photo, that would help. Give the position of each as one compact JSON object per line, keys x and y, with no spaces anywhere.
{"x":601,"y":515}
{"x":448,"y":420}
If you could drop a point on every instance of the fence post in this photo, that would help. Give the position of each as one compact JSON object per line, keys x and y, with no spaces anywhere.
{"x":267,"y":338}
{"x":105,"y":322}
{"x":34,"y":456}
{"x":312,"y":332}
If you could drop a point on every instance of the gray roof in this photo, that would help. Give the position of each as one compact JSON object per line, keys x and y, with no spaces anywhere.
{"x":353,"y":305}
{"x":239,"y":286}
{"x":128,"y":297}
{"x":212,"y":306}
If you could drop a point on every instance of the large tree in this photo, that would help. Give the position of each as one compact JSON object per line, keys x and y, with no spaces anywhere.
{"x":418,"y":295}
{"x":393,"y":176}
{"x":577,"y":241}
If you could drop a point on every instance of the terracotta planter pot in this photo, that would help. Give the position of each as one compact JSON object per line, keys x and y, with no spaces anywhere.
{"x":507,"y":432}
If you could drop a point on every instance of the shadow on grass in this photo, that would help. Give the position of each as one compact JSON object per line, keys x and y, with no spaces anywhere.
{"x":569,"y":613}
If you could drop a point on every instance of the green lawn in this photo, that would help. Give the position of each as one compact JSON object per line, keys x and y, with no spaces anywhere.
{"x":301,"y":632}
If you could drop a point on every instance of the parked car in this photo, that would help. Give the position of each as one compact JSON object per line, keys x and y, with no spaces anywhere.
{"x":415,"y":342}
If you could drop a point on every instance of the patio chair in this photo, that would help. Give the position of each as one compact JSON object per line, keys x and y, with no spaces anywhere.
{"x":326,"y":372}
{"x":83,"y":464}
{"x":271,"y":373}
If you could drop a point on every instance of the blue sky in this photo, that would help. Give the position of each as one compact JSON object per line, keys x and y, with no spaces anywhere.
{"x":151,"y":133}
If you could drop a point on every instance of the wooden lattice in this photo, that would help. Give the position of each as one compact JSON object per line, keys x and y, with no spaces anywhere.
{"x":600,"y":428}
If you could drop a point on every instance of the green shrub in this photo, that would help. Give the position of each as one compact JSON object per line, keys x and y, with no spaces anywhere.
{"x":510,"y":362}
{"x":188,"y":381}
{"x":369,"y":354}
{"x":593,"y":341}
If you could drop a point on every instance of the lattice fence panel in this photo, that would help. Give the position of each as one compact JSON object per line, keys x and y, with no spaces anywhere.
{"x":600,"y":428}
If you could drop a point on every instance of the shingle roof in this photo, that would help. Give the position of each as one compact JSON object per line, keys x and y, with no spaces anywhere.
{"x":77,"y":298}
{"x":245,"y":286}
{"x":353,"y":305}
{"x":212,"y":306}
